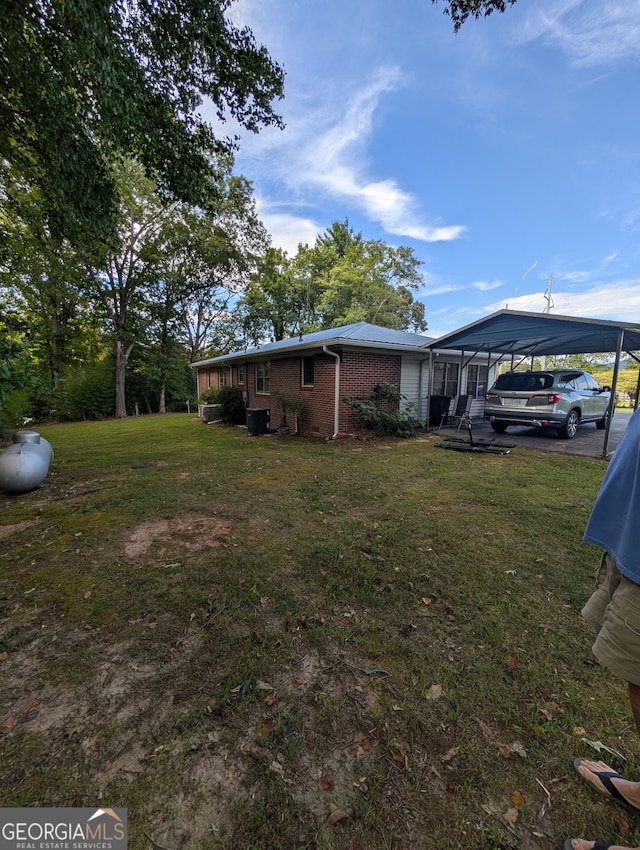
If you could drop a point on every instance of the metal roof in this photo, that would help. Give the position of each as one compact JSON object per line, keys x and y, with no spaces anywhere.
{"x":357,"y":334}
{"x":527,"y":334}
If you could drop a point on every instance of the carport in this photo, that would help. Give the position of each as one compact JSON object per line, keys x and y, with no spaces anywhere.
{"x":518,"y":335}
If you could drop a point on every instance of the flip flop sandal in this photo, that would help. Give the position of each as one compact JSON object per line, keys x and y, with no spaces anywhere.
{"x":606,"y":777}
{"x":599,"y":845}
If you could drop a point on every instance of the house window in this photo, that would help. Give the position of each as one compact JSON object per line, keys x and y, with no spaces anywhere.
{"x":307,"y":371}
{"x":445,"y":379}
{"x":241,"y":373}
{"x":477,"y":379}
{"x":223,"y":379}
{"x":262,"y":377}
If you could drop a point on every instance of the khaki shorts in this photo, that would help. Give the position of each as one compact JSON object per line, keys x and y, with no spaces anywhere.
{"x":614,"y":612}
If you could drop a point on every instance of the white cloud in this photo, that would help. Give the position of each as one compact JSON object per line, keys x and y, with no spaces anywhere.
{"x":322,"y":153}
{"x":589,"y":31}
{"x":485,"y":286}
{"x":618,"y":301}
{"x":287,"y":231}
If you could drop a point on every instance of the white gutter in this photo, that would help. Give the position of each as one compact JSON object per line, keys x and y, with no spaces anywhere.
{"x":336,"y":398}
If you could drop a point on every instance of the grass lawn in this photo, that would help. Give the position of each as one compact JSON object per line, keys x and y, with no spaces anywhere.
{"x":263,"y":643}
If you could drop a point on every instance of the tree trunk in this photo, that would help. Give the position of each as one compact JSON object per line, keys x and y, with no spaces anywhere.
{"x":162,"y":406}
{"x":122,"y":355}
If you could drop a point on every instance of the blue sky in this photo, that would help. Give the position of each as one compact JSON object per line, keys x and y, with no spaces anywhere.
{"x":503,"y":155}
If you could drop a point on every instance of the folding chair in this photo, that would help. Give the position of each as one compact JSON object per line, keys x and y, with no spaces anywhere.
{"x":461,"y":411}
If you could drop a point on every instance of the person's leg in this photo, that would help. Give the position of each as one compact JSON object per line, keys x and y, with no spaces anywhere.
{"x":583,"y":844}
{"x":634,"y":699}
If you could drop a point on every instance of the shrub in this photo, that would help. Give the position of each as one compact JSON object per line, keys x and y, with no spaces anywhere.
{"x":386,"y":423}
{"x":231,"y":405}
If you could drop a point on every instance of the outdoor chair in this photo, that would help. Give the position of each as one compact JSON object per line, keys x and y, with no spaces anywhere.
{"x":459,"y":411}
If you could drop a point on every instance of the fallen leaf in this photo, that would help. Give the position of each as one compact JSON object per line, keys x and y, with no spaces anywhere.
{"x":516,"y":799}
{"x":263,"y":686}
{"x":512,"y":662}
{"x":504,"y":750}
{"x":7,"y":725}
{"x":371,"y":670}
{"x":621,"y":822}
{"x":450,"y":754}
{"x":600,"y":747}
{"x":4,"y":656}
{"x":326,"y":783}
{"x":427,"y":600}
{"x":516,"y":747}
{"x":270,"y":699}
{"x":336,"y":816}
{"x":434,"y":692}
{"x":87,"y":594}
{"x":267,"y":725}
{"x":510,"y":816}
{"x":26,"y":707}
{"x":398,"y":754}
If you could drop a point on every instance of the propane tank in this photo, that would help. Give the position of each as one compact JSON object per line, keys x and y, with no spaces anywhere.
{"x":24,"y":465}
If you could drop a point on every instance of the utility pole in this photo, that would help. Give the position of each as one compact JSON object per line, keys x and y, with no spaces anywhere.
{"x":547,"y":309}
{"x":547,"y":296}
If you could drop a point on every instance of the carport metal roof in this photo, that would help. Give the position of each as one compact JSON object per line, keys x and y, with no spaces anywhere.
{"x":535,"y":334}
{"x":519,"y":334}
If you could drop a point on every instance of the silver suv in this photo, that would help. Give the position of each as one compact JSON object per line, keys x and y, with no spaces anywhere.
{"x":558,"y":398}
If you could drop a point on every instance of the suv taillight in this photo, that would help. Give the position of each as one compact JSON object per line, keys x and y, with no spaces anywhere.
{"x":552,"y":398}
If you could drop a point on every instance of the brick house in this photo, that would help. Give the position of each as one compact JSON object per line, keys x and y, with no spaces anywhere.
{"x":317,"y":370}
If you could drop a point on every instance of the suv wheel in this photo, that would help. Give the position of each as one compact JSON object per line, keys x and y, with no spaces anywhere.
{"x":601,"y":424}
{"x":570,"y":427}
{"x":499,"y":427}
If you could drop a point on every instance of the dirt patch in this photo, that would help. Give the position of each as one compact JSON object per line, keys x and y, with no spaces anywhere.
{"x":194,"y":534}
{"x":8,"y":530}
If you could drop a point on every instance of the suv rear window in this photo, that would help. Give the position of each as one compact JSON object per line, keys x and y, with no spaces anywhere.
{"x":524,"y":381}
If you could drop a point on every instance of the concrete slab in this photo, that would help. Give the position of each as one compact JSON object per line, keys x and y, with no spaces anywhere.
{"x":588,"y":442}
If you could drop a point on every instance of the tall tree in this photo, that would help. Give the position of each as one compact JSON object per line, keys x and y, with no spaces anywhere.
{"x":460,"y":10}
{"x":343,"y":278}
{"x":119,"y":285}
{"x":270,"y":307}
{"x":81,"y":81}
{"x":373,"y":282}
{"x":45,"y":272}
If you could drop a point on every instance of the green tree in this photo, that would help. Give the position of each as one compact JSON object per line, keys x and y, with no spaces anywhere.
{"x":173,"y":260}
{"x":342,"y":279}
{"x":84,"y":80}
{"x":270,"y":307}
{"x":45,"y":274}
{"x":460,"y":10}
{"x":373,"y":282}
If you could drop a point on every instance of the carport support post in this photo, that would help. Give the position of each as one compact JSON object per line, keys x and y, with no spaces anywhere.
{"x":612,"y":400}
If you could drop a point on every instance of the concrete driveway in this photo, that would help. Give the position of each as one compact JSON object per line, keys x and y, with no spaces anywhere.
{"x":589,"y":441}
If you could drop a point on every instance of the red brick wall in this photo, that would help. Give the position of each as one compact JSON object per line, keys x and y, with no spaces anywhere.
{"x":359,"y":372}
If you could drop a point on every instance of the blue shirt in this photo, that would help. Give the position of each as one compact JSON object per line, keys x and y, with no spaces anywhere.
{"x":614,"y":524}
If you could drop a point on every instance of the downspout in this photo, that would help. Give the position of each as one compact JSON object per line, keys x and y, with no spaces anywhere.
{"x":336,"y":394}
{"x":429,"y":388}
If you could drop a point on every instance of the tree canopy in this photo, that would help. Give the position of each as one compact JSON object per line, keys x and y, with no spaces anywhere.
{"x":84,"y":81}
{"x":460,"y":10}
{"x":342,"y":279}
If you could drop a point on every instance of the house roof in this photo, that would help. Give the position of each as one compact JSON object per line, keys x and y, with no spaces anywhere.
{"x":358,"y":334}
{"x":527,"y":334}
